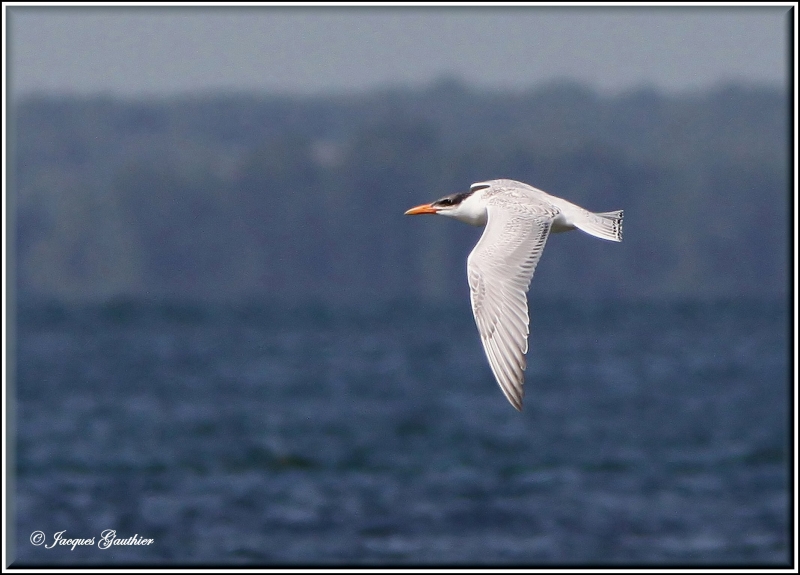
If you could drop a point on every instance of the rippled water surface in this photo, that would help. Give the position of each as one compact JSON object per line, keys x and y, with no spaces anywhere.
{"x":652,"y":434}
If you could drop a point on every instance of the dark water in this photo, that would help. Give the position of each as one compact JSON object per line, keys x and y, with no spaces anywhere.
{"x":653,"y":434}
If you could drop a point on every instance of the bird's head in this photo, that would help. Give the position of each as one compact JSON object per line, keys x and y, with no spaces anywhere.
{"x":445,"y":206}
{"x":467,"y":207}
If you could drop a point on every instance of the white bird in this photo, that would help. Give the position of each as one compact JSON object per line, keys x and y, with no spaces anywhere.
{"x":518,"y":219}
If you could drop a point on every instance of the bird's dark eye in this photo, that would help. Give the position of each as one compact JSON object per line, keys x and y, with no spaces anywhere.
{"x":445,"y":202}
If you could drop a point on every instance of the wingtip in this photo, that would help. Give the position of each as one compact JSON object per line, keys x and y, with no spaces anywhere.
{"x":521,"y":398}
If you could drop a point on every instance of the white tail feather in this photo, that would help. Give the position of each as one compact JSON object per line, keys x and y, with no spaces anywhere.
{"x":604,"y":225}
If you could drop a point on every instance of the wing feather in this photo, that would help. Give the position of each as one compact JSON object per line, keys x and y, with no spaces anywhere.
{"x":499,"y":271}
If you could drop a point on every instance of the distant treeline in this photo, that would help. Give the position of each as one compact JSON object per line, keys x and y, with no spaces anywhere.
{"x":243,"y":197}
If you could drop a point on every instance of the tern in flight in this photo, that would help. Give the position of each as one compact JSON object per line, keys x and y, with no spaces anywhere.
{"x":518,"y":219}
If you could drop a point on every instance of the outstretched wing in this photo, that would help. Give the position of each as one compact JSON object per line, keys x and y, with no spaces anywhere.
{"x":499,"y":270}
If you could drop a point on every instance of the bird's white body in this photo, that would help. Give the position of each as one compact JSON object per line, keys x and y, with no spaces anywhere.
{"x":518,"y":220}
{"x":473,"y":209}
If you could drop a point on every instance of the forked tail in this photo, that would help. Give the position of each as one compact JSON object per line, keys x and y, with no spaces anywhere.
{"x":604,"y":225}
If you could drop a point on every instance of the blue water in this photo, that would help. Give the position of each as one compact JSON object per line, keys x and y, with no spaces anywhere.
{"x":652,"y":434}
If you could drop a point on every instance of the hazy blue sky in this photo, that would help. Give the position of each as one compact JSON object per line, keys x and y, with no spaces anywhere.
{"x":159,"y":50}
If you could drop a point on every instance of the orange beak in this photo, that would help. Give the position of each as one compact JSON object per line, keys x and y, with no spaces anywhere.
{"x":423,"y":209}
